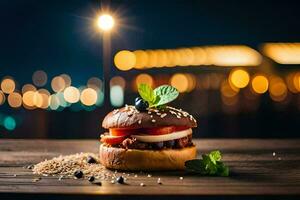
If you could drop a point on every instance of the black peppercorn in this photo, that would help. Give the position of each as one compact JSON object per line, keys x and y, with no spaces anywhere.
{"x":91,"y":179}
{"x":120,"y":180}
{"x":91,"y":159}
{"x":78,"y":174}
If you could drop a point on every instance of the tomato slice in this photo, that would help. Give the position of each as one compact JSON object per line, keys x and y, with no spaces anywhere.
{"x":112,"y":139}
{"x":151,"y":131}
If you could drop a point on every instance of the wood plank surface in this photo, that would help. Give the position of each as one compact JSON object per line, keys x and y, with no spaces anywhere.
{"x":254,"y":170}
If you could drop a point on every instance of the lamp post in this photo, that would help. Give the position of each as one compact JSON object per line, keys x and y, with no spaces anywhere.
{"x":105,"y":23}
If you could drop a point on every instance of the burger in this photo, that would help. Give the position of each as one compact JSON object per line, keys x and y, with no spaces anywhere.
{"x":149,"y":135}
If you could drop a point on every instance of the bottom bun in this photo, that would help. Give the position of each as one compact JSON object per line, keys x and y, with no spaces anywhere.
{"x":148,"y":160}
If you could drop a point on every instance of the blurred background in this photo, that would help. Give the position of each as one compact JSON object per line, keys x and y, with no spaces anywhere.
{"x":236,"y":64}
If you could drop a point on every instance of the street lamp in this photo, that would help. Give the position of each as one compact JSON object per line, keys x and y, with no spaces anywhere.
{"x":105,"y":23}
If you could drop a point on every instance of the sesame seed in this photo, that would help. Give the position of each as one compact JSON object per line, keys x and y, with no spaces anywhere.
{"x":135,"y":175}
{"x":158,"y":114}
{"x":163,"y":115}
{"x":159,"y":181}
{"x":151,"y":116}
{"x":140,"y":121}
{"x":181,"y":178}
{"x":274,"y":154}
{"x":153,"y":120}
{"x":112,"y":181}
{"x":279,"y":158}
{"x":178,"y":116}
{"x":149,"y":112}
{"x":142,"y":184}
{"x":149,"y":175}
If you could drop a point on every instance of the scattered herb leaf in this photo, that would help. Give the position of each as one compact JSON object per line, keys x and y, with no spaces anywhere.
{"x":147,"y":93}
{"x":210,"y":165}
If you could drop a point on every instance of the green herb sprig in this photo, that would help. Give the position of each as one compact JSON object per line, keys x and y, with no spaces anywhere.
{"x":160,"y":96}
{"x":209,"y":165}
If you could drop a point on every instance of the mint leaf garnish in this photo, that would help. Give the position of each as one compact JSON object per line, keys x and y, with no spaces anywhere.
{"x":209,"y":165}
{"x":147,"y":93}
{"x":166,"y":94}
{"x":158,"y":97}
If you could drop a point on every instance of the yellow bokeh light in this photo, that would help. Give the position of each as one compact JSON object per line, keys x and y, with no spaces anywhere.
{"x":8,"y":85}
{"x":42,"y":98}
{"x":199,"y":56}
{"x":260,"y":84}
{"x":239,"y":78}
{"x":296,"y":81}
{"x":152,"y":58}
{"x":58,"y":84}
{"x":161,"y":58}
{"x":71,"y":94}
{"x":2,"y":98}
{"x":125,"y":60}
{"x":14,"y":100}
{"x":88,"y":97}
{"x":186,"y":57}
{"x":105,"y":22}
{"x":28,"y":87}
{"x":277,"y":89}
{"x":180,"y":82}
{"x":283,"y":53}
{"x":28,"y":98}
{"x":143,"y":78}
{"x":141,"y":59}
{"x":227,"y":90}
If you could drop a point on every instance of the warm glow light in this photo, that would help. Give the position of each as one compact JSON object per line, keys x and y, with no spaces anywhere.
{"x":8,"y":85}
{"x":199,"y":56}
{"x":28,"y":98}
{"x":283,"y":53}
{"x":42,"y":99}
{"x":227,"y":90}
{"x":180,"y":82}
{"x":186,"y":57}
{"x":39,"y":78}
{"x":161,"y":58}
{"x":141,"y":59}
{"x":53,"y":102}
{"x":94,"y":83}
{"x":105,"y":22}
{"x":67,"y":79}
{"x":152,"y":58}
{"x":239,"y":78}
{"x":2,"y":98}
{"x":71,"y":94}
{"x":144,"y":78}
{"x":58,"y":84}
{"x":28,"y":87}
{"x":117,"y":80}
{"x":260,"y":84}
{"x":14,"y":100}
{"x":125,"y":60}
{"x":88,"y":97}
{"x":277,"y":89}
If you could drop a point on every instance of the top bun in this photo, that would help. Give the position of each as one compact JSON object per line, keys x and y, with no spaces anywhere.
{"x":130,"y":117}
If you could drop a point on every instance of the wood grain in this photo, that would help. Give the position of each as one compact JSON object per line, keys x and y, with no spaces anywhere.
{"x":254,"y":170}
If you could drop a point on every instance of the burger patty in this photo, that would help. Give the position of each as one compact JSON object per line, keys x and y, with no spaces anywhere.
{"x":132,"y":143}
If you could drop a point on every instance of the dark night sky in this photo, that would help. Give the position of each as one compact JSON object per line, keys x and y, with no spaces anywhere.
{"x":57,"y":35}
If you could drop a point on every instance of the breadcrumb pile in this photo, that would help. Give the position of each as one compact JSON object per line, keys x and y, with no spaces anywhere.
{"x":67,"y":165}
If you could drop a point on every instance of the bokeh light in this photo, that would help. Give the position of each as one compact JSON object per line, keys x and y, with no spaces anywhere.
{"x":54,"y":102}
{"x":227,"y":90}
{"x":141,"y":59}
{"x":14,"y":100}
{"x":9,"y":123}
{"x":161,"y":58}
{"x":39,"y":78}
{"x":71,"y":94}
{"x":28,"y":98}
{"x":200,"y":56}
{"x":144,"y":78}
{"x":94,"y":83}
{"x":117,"y":80}
{"x":277,"y":89}
{"x":2,"y":98}
{"x":8,"y":85}
{"x":283,"y":53}
{"x":125,"y":60}
{"x":88,"y":97}
{"x":116,"y":96}
{"x":152,"y":59}
{"x":105,"y":22}
{"x":42,"y":99}
{"x":180,"y":82}
{"x":239,"y":78}
{"x":260,"y":84}
{"x":67,"y":79}
{"x":28,"y":87}
{"x":58,"y":84}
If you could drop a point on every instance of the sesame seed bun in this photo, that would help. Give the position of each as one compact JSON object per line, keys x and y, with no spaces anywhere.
{"x":148,"y":160}
{"x":130,"y":117}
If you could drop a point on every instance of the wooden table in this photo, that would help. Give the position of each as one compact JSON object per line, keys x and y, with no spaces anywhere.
{"x":259,"y":168}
